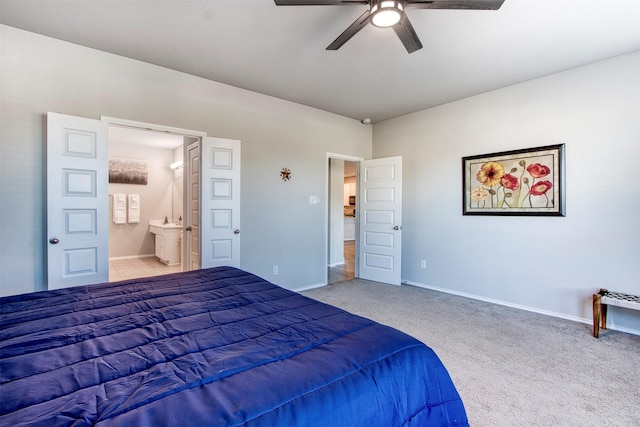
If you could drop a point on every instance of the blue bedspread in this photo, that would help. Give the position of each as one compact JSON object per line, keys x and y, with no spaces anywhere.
{"x":215,"y":347}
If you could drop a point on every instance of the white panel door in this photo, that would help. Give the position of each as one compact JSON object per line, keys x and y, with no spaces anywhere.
{"x":77,"y":201}
{"x":220,"y":202}
{"x":380,"y":207}
{"x":192,"y":222}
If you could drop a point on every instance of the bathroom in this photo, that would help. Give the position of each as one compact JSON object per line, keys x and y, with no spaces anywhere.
{"x":132,"y":249}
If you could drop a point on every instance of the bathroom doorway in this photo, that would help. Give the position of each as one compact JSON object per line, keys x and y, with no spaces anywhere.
{"x":79,"y":249}
{"x":135,"y":248}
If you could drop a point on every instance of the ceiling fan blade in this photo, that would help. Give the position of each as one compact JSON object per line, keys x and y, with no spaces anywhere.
{"x":454,"y":4}
{"x":318,"y":2}
{"x":407,"y":35}
{"x":350,"y":32}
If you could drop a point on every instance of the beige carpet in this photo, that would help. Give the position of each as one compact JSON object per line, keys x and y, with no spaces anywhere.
{"x":511,"y":367}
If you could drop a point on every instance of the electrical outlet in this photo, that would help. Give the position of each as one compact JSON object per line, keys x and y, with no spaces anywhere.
{"x":275,"y":270}
{"x":423,"y":263}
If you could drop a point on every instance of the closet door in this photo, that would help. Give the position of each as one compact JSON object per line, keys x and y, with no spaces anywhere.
{"x":77,"y":201}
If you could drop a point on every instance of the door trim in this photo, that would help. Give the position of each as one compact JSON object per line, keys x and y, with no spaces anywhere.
{"x":153,"y":127}
{"x":112,"y":121}
{"x":348,"y":158}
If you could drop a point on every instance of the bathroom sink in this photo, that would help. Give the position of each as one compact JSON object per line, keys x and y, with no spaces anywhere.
{"x":160,"y":224}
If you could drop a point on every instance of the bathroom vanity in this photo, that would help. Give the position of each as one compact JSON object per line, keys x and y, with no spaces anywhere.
{"x":167,"y":240}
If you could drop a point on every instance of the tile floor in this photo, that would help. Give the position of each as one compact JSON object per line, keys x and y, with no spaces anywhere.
{"x":130,"y":268}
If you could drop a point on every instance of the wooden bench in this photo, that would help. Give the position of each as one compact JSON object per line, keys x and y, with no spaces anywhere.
{"x":604,"y":298}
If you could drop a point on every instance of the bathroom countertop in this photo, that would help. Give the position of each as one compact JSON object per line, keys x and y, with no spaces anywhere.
{"x":159,"y":223}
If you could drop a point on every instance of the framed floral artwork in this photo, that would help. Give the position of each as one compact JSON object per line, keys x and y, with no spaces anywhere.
{"x":520,"y":182}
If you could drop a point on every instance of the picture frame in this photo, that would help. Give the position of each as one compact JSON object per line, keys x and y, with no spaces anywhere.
{"x":128,"y":171}
{"x":525,"y":182}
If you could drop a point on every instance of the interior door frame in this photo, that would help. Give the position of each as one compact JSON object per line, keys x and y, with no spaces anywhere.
{"x":358,"y":161}
{"x":152,"y":127}
{"x":113,"y":121}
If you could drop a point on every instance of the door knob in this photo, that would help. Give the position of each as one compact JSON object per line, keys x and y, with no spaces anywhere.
{"x":236,"y":231}
{"x":397,"y":228}
{"x":188,"y":228}
{"x":54,"y":240}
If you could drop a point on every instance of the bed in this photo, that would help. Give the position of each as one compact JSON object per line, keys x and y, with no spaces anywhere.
{"x":212,"y":347}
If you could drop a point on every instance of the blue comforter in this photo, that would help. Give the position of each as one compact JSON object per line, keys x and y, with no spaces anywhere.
{"x":215,"y":347}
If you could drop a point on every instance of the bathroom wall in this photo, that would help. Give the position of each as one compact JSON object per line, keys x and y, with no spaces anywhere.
{"x":177,"y":189}
{"x":130,"y":240}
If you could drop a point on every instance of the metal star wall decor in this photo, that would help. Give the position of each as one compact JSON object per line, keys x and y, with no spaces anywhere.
{"x":285,"y":174}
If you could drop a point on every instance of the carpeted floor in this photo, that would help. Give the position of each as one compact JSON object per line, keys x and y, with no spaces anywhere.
{"x":511,"y":367}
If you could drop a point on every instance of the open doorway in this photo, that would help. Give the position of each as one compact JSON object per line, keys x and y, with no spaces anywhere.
{"x":342,"y":226}
{"x":78,"y":227}
{"x":135,"y":248}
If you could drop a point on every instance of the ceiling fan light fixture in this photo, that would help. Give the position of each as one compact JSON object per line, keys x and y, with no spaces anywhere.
{"x":386,"y":13}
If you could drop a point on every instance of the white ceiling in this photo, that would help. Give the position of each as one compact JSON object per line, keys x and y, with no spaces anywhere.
{"x":280,"y":50}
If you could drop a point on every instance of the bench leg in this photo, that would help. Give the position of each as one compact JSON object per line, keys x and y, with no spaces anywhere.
{"x":596,"y":314}
{"x":603,"y":316}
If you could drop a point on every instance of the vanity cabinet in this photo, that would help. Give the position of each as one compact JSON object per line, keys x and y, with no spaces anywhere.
{"x":167,"y":242}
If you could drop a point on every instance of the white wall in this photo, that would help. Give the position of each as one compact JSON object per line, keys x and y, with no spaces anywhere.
{"x":177,"y":197}
{"x":278,"y":225}
{"x":549,"y":264}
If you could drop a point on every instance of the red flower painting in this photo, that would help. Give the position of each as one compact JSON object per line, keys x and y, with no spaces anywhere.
{"x":540,"y":188}
{"x":509,"y":182}
{"x":519,"y":182}
{"x":513,"y":183}
{"x":538,"y":171}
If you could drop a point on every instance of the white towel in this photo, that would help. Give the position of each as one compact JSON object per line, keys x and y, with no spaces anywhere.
{"x":134,"y":208}
{"x":119,"y":208}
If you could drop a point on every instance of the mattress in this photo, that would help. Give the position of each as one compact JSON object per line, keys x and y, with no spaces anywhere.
{"x":213,"y":347}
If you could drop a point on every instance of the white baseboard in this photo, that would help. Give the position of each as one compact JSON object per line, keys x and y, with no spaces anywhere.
{"x":309,"y":287}
{"x":520,"y":307}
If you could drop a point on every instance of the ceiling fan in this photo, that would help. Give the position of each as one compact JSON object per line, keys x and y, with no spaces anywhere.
{"x":391,"y":13}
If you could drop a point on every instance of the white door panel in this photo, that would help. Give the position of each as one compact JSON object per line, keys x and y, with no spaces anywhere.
{"x":77,"y":201}
{"x":220,"y":202}
{"x":380,"y":205}
{"x":192,"y":231}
